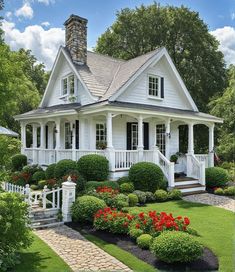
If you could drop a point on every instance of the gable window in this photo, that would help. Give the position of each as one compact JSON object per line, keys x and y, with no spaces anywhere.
{"x":160,"y":138}
{"x":67,"y":136}
{"x":100,"y":135}
{"x":64,"y":86}
{"x":68,"y":85}
{"x":71,"y":84}
{"x":154,"y":86}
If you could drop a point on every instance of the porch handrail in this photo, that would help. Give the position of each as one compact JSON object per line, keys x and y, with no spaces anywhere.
{"x":196,"y":168}
{"x":55,"y":202}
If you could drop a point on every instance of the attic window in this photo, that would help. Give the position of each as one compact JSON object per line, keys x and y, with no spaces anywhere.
{"x":64,"y":86}
{"x":68,"y":85}
{"x":154,"y":86}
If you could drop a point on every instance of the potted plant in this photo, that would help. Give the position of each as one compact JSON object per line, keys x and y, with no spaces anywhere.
{"x":101,"y":145}
{"x":174,"y":158}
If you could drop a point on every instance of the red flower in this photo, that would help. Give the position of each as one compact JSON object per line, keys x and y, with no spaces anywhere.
{"x":137,"y":226}
{"x":186,"y":221}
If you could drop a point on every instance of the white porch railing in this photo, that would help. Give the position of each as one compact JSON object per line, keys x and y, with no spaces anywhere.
{"x":203,"y":158}
{"x":195,"y":168}
{"x":54,"y":202}
{"x":124,"y":159}
{"x":148,"y":155}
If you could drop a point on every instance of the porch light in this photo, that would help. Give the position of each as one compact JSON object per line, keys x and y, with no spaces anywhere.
{"x":168,"y":134}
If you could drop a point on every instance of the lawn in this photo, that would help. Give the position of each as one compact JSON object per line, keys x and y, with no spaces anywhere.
{"x":214,"y":225}
{"x":40,"y":257}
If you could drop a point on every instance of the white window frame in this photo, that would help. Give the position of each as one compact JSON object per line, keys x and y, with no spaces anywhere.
{"x":68,"y":93}
{"x":98,"y":138}
{"x":68,"y":135}
{"x":161,"y":137}
{"x":152,"y":96}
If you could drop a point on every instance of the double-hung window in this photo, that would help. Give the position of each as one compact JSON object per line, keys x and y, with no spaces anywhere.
{"x":154,"y":86}
{"x":67,"y":136}
{"x":68,"y":85}
{"x":64,"y":86}
{"x":100,"y":135}
{"x":161,"y":137}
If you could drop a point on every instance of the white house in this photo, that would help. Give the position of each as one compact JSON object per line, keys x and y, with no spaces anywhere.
{"x":128,"y":111}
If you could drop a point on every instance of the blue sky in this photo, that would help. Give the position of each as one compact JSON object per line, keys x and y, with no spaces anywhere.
{"x":35,"y":23}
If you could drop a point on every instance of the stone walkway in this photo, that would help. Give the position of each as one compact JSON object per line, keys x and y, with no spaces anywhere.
{"x":80,"y":254}
{"x":214,"y":200}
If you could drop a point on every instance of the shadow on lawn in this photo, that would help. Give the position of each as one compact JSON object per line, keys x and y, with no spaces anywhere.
{"x":187,"y":204}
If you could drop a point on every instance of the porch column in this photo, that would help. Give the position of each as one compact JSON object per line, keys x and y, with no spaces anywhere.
{"x":23,"y":136}
{"x":57,"y":136}
{"x":167,"y":138}
{"x":82,"y":128}
{"x":72,"y":124}
{"x":140,"y":138}
{"x":35,"y":143}
{"x":110,"y":149}
{"x":50,"y":135}
{"x":190,"y":139}
{"x":211,"y":145}
{"x":42,"y":143}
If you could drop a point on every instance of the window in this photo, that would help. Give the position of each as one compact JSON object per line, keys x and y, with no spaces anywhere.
{"x":134,"y":136}
{"x":71,"y":84}
{"x":67,"y":136}
{"x":160,"y":138}
{"x":100,"y":135}
{"x":64,"y":86}
{"x":154,"y":86}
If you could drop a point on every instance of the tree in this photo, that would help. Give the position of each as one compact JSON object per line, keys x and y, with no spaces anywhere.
{"x":1,"y":31}
{"x":193,"y":49}
{"x":224,"y":107}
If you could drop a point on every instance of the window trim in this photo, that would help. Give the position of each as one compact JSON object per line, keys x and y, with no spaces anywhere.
{"x":68,"y":86}
{"x":158,"y":97}
{"x":105,"y":133}
{"x":68,"y":136}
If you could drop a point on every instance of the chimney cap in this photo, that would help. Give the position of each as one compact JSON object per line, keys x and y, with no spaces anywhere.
{"x":76,"y":18}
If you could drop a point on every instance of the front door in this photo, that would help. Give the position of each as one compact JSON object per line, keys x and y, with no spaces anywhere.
{"x":132,"y":136}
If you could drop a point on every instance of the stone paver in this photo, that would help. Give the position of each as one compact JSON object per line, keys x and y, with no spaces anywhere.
{"x":80,"y":254}
{"x":214,"y":200}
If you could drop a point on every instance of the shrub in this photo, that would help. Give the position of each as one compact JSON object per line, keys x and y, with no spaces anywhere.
{"x":133,"y":200}
{"x":112,"y":220}
{"x":94,"y":167}
{"x":120,"y":201}
{"x":39,"y":175}
{"x":219,"y":191}
{"x":150,"y":197}
{"x":18,"y":162}
{"x":62,"y":167}
{"x":175,"y":246}
{"x":93,"y":185}
{"x":31,"y":169}
{"x":50,"y":171}
{"x":135,"y":233}
{"x":230,"y":191}
{"x":141,"y":196}
{"x":175,"y":194}
{"x":15,"y":233}
{"x":21,"y":178}
{"x":161,"y":195}
{"x":146,"y":176}
{"x":144,"y":241}
{"x":216,"y":177}
{"x":123,"y":180}
{"x":106,"y":193}
{"x":42,"y":183}
{"x":127,"y":187}
{"x":77,"y":178}
{"x":34,"y":187}
{"x":85,"y":207}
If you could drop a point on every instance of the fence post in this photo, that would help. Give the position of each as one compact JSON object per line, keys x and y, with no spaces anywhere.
{"x":68,"y":197}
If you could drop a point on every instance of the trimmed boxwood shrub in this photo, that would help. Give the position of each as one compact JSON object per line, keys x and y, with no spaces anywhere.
{"x":133,"y":200}
{"x":216,"y":177}
{"x":144,"y":241}
{"x":219,"y":191}
{"x":141,"y":196}
{"x":135,"y":233}
{"x":93,"y":167}
{"x":146,"y":176}
{"x":127,"y":187}
{"x":18,"y":162}
{"x":50,"y":171}
{"x":84,"y":208}
{"x":161,"y":195}
{"x":63,"y":166}
{"x":176,"y":246}
{"x":37,"y":176}
{"x":31,"y":169}
{"x":175,"y":194}
{"x":230,"y":191}
{"x":92,"y":185}
{"x":120,"y":201}
{"x":123,"y":180}
{"x":41,"y":184}
{"x":150,"y":197}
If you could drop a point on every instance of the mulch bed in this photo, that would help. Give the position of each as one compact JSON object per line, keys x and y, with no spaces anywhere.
{"x":207,"y":262}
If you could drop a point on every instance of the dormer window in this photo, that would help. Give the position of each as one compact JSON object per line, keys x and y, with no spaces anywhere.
{"x":155,"y":87}
{"x":68,"y":85}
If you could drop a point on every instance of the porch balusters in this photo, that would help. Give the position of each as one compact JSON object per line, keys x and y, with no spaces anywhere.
{"x":211,"y":145}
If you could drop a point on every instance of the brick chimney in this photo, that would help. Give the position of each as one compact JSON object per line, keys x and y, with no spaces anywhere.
{"x":76,"y":38}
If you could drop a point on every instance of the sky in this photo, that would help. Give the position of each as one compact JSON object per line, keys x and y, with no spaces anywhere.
{"x":38,"y":24}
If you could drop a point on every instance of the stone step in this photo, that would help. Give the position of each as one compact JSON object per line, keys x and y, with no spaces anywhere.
{"x":194,"y":193}
{"x":50,"y":225}
{"x":43,"y":220}
{"x":190,"y":188}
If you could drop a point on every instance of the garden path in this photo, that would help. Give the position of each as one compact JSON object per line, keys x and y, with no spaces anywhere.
{"x":79,"y":253}
{"x":214,"y":200}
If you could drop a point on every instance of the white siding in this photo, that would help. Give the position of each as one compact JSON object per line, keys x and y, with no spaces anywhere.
{"x":137,"y":92}
{"x":174,"y":140}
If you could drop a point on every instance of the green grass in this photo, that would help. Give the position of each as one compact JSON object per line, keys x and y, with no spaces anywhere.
{"x":125,"y":257}
{"x":215,"y":227}
{"x":40,"y":257}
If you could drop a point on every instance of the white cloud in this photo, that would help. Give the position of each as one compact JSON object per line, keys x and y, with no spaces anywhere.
{"x":25,"y":11}
{"x":46,"y":2}
{"x":43,"y":43}
{"x":46,"y":24}
{"x":8,"y":14}
{"x":233,"y":15}
{"x":226,"y":37}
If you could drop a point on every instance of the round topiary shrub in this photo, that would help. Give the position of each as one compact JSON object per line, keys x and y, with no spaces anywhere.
{"x":219,"y":191}
{"x":161,"y":195}
{"x":50,"y":171}
{"x":93,"y":167}
{"x":144,"y":241}
{"x":216,"y":177}
{"x":146,"y":176}
{"x":230,"y":191}
{"x":176,"y":246}
{"x":175,"y":194}
{"x":18,"y":162}
{"x":31,"y":169}
{"x":133,"y":200}
{"x":63,"y":166}
{"x":84,"y":208}
{"x":41,"y":184}
{"x":39,"y":175}
{"x":150,"y":197}
{"x":120,"y":201}
{"x":127,"y":187}
{"x":123,"y":180}
{"x":135,"y":233}
{"x":141,"y":196}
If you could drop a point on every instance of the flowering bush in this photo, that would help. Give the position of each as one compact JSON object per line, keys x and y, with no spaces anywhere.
{"x":21,"y":178}
{"x":112,"y":220}
{"x":107,"y":189}
{"x":154,"y":223}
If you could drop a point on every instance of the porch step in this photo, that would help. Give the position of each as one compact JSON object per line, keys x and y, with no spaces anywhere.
{"x":194,"y":193}
{"x":49,"y":225}
{"x":190,"y":188}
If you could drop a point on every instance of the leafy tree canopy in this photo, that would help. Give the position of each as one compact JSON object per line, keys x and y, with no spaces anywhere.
{"x":193,"y":49}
